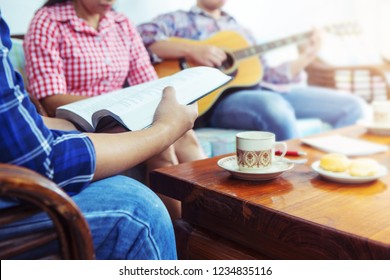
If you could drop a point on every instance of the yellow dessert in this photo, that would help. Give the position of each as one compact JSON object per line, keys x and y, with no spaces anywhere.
{"x":335,"y":162}
{"x":363,"y":167}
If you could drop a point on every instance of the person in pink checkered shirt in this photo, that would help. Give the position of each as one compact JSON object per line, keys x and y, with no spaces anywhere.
{"x":77,"y":49}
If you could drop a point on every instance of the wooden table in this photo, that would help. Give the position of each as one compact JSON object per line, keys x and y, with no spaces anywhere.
{"x":298,"y":215}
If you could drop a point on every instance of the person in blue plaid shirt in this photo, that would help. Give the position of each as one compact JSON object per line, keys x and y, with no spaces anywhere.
{"x":127,"y":220}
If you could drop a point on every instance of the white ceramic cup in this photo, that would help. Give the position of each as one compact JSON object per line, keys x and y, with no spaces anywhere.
{"x":381,"y":112}
{"x":256,"y":150}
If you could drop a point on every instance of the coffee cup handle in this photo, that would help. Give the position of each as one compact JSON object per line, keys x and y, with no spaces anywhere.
{"x":282,"y":148}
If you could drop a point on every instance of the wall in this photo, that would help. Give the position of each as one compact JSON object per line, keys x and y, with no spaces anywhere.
{"x":18,"y":13}
{"x":267,"y":19}
{"x":260,"y":15}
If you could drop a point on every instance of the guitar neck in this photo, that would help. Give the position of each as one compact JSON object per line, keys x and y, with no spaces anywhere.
{"x":263,"y":48}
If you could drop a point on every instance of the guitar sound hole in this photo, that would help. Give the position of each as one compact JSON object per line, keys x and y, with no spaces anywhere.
{"x":227,"y":65}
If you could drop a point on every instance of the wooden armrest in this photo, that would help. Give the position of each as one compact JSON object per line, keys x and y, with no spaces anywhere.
{"x":37,"y":193}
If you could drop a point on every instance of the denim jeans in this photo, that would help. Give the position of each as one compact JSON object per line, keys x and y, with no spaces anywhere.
{"x":127,"y":221}
{"x":262,"y":109}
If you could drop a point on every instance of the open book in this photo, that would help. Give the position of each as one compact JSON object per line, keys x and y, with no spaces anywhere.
{"x":134,"y":107}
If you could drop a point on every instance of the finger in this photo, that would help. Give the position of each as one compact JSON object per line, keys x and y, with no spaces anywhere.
{"x":169,"y":92}
{"x":222,"y":55}
{"x":193,"y":106}
{"x":209,"y":63}
{"x":194,"y":109}
{"x":219,"y":54}
{"x":216,"y":62}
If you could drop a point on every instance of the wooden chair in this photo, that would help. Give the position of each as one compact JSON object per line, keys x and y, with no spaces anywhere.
{"x":37,"y":194}
{"x":367,"y":81}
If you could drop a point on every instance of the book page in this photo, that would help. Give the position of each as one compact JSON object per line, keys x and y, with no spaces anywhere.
{"x":345,"y":145}
{"x":190,"y":85}
{"x":134,"y":106}
{"x":87,"y":107}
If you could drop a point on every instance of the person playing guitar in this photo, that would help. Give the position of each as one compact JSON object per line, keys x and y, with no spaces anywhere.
{"x":260,"y":97}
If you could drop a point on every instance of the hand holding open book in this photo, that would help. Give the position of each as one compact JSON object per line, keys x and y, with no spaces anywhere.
{"x":134,"y":107}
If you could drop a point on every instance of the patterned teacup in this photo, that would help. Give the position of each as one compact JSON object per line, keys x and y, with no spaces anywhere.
{"x":256,"y":150}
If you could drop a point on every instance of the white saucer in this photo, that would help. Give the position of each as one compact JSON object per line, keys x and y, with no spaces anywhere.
{"x":380,"y":129}
{"x":344,"y":177}
{"x":230,"y":164}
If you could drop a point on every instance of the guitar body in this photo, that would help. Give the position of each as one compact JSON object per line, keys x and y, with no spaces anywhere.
{"x":246,"y":72}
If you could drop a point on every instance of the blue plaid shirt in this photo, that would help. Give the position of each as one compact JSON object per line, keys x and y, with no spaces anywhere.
{"x":67,"y":158}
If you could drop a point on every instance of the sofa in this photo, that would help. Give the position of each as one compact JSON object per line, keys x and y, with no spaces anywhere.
{"x":215,"y":141}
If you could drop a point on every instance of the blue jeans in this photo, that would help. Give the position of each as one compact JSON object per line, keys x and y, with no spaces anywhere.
{"x":127,"y":221}
{"x":261,"y":109}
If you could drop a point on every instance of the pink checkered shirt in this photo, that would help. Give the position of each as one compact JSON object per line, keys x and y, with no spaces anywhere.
{"x":65,"y":55}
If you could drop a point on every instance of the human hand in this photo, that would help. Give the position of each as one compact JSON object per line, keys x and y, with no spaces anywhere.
{"x":312,"y":47}
{"x":316,"y":40}
{"x":180,"y":118}
{"x":308,"y":53}
{"x":207,"y":55}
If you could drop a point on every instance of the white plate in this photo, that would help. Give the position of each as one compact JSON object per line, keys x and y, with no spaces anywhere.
{"x":344,"y":177}
{"x":230,"y":165}
{"x":374,"y":128}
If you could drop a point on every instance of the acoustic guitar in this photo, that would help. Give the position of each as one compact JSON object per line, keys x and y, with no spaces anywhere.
{"x":242,"y":62}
